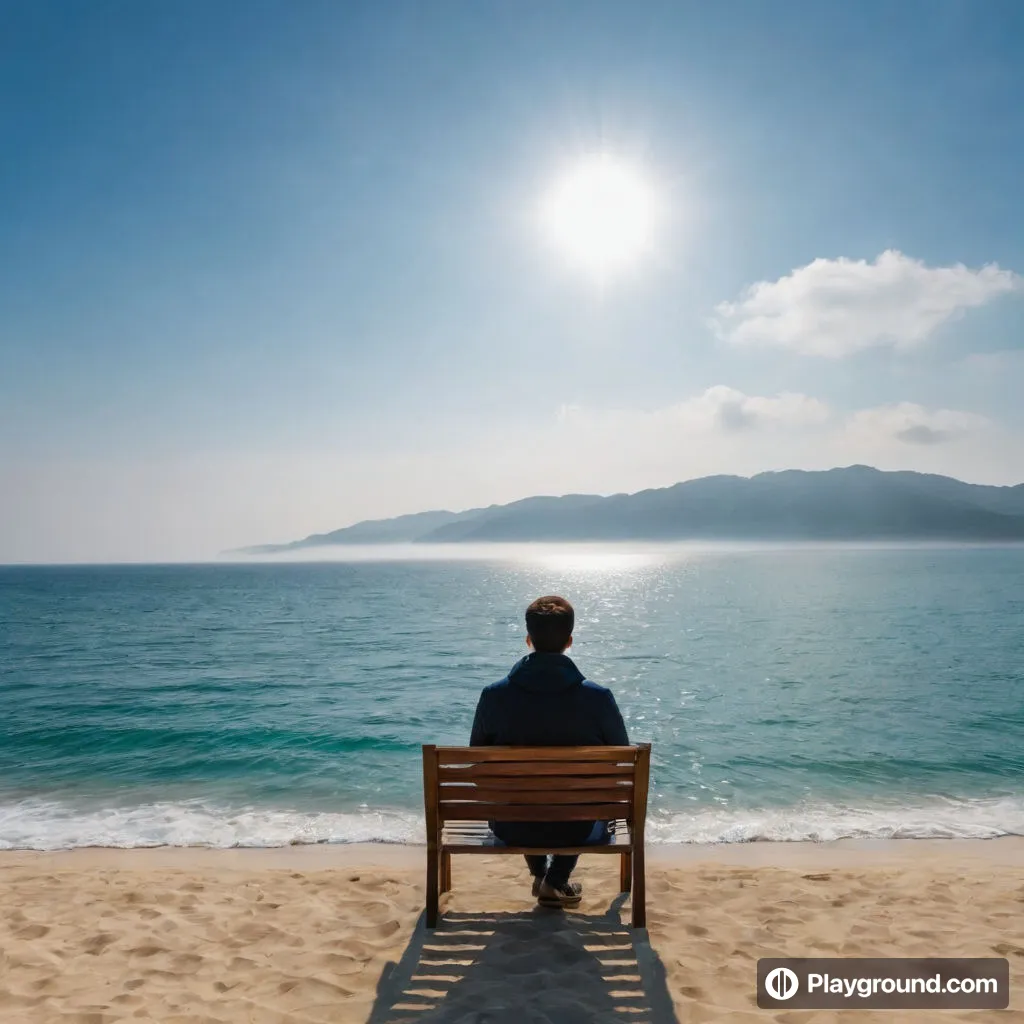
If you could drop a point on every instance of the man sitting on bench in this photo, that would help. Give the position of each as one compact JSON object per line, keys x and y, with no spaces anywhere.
{"x":545,"y":701}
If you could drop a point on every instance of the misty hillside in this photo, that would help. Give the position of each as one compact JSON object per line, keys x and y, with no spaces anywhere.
{"x":371,"y":531}
{"x":855,"y":503}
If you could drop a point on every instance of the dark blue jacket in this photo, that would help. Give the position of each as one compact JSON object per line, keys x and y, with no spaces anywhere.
{"x":546,"y":702}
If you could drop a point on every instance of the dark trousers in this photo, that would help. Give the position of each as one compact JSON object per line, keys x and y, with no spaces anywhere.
{"x":555,"y":867}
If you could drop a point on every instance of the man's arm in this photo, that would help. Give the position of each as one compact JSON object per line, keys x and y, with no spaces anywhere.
{"x":481,"y":736}
{"x":613,"y":727}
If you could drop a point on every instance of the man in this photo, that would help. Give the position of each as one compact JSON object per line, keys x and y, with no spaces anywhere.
{"x":546,"y":702}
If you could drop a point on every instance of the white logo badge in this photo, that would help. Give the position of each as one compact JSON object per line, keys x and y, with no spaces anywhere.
{"x":782,"y":983}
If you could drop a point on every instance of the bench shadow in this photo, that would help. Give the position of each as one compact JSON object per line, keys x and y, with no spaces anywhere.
{"x":538,"y":965}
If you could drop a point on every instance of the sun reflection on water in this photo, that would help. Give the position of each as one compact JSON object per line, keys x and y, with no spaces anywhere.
{"x":592,"y":560}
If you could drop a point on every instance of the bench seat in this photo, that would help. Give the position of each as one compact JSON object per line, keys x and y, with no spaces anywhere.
{"x":476,"y":837}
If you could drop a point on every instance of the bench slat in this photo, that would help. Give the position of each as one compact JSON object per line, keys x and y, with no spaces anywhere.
{"x":538,"y":797}
{"x":616,"y":846}
{"x":478,"y":755}
{"x":541,"y":769}
{"x":481,"y":830}
{"x":476,"y":837}
{"x":454,"y":810}
{"x":543,"y":784}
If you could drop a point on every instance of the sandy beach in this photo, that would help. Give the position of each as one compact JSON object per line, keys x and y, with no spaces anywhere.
{"x":316,"y":934}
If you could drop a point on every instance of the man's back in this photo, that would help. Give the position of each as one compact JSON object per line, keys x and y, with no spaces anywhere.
{"x":546,"y":701}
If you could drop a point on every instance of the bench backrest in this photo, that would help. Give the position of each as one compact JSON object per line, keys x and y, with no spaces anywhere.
{"x":535,"y":784}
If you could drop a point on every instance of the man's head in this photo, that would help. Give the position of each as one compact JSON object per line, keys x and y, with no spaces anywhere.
{"x":549,"y":622}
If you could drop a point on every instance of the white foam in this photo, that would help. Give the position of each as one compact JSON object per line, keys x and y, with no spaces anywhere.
{"x":36,"y":824}
{"x":45,"y":825}
{"x":934,"y":819}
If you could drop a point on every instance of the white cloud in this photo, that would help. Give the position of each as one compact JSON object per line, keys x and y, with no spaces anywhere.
{"x":916,"y":425}
{"x":730,"y":409}
{"x":723,"y":430}
{"x":719,"y":408}
{"x":837,"y":307}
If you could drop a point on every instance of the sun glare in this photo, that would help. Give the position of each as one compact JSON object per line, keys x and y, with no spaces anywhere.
{"x":600,"y":215}
{"x":574,"y":558}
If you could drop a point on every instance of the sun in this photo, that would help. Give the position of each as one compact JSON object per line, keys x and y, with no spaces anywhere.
{"x":600,"y":214}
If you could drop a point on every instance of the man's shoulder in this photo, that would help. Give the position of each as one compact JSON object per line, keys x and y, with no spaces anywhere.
{"x":502,"y":684}
{"x":495,"y":688}
{"x":596,"y":689}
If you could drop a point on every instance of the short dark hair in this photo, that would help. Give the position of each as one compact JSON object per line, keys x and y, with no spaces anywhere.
{"x":549,"y":622}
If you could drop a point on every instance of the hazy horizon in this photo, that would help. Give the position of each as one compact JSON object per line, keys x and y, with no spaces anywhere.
{"x":544,"y":550}
{"x":265,"y":276}
{"x":580,"y":557}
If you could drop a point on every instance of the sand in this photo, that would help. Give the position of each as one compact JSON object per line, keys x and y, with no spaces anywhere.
{"x":334,"y":934}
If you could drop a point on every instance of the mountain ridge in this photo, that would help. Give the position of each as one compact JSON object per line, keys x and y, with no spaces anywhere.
{"x":846,"y":503}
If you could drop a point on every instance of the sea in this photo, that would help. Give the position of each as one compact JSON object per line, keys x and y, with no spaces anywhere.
{"x":790,"y":693}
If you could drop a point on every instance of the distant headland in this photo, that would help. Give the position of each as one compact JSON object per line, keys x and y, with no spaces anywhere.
{"x":856,"y":503}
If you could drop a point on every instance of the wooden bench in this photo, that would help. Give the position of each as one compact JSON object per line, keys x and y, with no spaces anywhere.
{"x":466,"y":787}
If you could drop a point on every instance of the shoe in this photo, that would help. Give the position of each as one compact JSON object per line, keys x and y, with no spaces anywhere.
{"x":567,"y":895}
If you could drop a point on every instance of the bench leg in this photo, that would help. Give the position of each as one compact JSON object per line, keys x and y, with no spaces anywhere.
{"x":432,"y":880}
{"x":639,"y":897}
{"x":625,"y":872}
{"x":446,"y":872}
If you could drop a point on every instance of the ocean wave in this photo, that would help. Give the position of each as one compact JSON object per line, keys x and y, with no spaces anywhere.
{"x":37,"y":824}
{"x":935,"y":819}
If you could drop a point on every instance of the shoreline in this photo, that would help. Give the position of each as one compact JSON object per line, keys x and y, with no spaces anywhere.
{"x":1001,"y":850}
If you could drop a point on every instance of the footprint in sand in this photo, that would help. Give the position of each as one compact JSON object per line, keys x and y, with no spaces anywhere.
{"x":127,"y":1000}
{"x":339,"y":964}
{"x":314,"y":989}
{"x":1007,"y":949}
{"x":99,"y":942}
{"x":188,"y":963}
{"x":146,"y":951}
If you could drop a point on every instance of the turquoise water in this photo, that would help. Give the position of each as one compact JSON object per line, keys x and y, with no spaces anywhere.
{"x":789,"y":693}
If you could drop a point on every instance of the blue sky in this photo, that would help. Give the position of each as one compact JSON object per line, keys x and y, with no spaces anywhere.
{"x":270,"y":268}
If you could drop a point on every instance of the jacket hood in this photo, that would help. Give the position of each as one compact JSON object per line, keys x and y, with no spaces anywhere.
{"x":545,"y":673}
